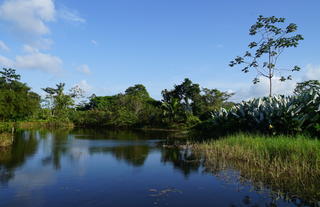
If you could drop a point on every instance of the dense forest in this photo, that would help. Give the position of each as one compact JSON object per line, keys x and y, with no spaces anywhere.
{"x":186,"y":105}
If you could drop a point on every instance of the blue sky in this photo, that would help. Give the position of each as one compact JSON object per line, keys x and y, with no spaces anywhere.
{"x":106,"y":46}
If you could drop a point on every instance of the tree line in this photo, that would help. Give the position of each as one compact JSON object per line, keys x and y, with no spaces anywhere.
{"x":184,"y":105}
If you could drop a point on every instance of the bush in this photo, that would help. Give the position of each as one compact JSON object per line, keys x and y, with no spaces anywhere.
{"x":192,"y":120}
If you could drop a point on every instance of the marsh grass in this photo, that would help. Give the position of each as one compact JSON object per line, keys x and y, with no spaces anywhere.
{"x":7,"y":129}
{"x":31,"y":125}
{"x":290,"y":165}
{"x":44,"y":125}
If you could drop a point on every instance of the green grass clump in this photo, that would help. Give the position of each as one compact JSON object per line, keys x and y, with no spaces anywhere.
{"x":284,"y":163}
{"x":265,"y":148}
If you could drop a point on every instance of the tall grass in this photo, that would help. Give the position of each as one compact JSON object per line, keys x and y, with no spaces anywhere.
{"x":43,"y":124}
{"x":287,"y":164}
{"x":7,"y":129}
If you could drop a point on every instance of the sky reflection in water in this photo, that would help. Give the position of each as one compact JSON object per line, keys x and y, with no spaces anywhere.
{"x":114,"y":168}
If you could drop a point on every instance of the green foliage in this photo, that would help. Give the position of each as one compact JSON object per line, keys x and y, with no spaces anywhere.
{"x":192,"y":120}
{"x":180,"y":108}
{"x":188,"y":99}
{"x":134,"y":108}
{"x":185,"y":93}
{"x":60,"y":102}
{"x":278,"y":114}
{"x":17,"y":102}
{"x":6,"y":126}
{"x":265,"y":51}
{"x":211,"y":100}
{"x":138,"y":90}
{"x":306,"y":86}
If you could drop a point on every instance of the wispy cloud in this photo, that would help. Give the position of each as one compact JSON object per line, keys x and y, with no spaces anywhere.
{"x":6,"y":62}
{"x":70,"y":15}
{"x":84,"y":69}
{"x":262,"y":89}
{"x":312,"y":73}
{"x":3,"y":46}
{"x":94,"y":42}
{"x":85,"y":86}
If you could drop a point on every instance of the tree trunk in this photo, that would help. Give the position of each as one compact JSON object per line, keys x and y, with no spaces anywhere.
{"x":270,"y":86}
{"x":270,"y":74}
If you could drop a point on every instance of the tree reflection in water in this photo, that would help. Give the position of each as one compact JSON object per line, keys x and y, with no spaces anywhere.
{"x":134,"y":148}
{"x":16,"y":155}
{"x":59,"y":147}
{"x":134,"y":155}
{"x":182,"y":159}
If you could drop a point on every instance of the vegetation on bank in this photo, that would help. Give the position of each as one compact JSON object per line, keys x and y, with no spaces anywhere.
{"x":182,"y":107}
{"x":281,"y":162}
{"x":299,"y":113}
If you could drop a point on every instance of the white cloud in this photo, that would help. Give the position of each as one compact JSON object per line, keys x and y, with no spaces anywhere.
{"x":35,"y":60}
{"x":42,"y":43}
{"x":94,"y":42}
{"x":262,"y":89}
{"x":312,"y":73}
{"x":28,"y":16}
{"x":6,"y":62}
{"x":30,"y":49}
{"x":83,"y":84}
{"x":249,"y":91}
{"x":39,"y":61}
{"x":29,"y":20}
{"x":84,"y":69}
{"x":3,"y":46}
{"x":70,"y":15}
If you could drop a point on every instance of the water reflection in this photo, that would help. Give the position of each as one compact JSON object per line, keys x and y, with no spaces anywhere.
{"x":38,"y":156}
{"x":130,"y":146}
{"x":58,"y":142}
{"x":134,"y":155}
{"x":16,"y":155}
{"x":182,"y":159}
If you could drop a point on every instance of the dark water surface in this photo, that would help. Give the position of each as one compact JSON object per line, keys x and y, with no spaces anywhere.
{"x":115,"y":168}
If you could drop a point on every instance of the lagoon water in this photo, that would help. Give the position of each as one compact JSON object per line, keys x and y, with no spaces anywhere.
{"x":116,"y":168}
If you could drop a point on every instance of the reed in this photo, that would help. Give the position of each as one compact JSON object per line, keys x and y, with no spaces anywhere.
{"x":282,"y":163}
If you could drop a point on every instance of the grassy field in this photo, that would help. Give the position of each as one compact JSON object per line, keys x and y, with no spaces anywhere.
{"x":282,"y":163}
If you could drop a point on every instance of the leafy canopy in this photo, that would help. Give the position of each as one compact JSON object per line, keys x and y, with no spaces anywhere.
{"x":17,"y":101}
{"x":264,"y":52}
{"x":59,"y":101}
